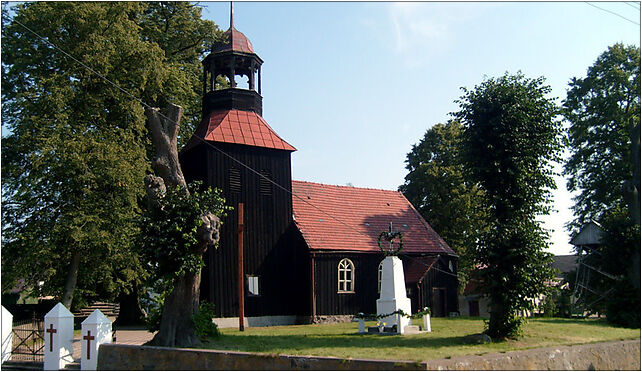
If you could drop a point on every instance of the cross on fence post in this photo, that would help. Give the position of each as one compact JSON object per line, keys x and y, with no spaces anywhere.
{"x":89,"y":337}
{"x":96,"y":328}
{"x":60,"y":349}
{"x":51,"y":332}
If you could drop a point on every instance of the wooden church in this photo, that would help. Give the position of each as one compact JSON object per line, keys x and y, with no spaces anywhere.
{"x":309,"y":250}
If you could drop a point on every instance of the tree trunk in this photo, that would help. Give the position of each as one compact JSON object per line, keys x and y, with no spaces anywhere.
{"x":131,"y":312}
{"x":176,"y":329}
{"x":70,"y":283}
{"x":176,"y":325}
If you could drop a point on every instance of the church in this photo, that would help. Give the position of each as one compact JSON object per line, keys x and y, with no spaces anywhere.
{"x":310,"y":251}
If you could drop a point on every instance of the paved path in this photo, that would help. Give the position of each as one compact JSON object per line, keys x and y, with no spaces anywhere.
{"x":128,"y":337}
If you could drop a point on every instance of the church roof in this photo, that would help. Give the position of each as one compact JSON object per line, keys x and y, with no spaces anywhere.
{"x":416,"y":269}
{"x":240,"y":127}
{"x":238,"y":42}
{"x":363,"y":214}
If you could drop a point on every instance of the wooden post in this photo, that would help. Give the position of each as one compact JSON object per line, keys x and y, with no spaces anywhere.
{"x":241,"y":280}
{"x":313,"y":294}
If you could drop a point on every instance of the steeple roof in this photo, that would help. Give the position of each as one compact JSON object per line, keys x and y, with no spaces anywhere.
{"x":239,"y":127}
{"x":234,"y":40}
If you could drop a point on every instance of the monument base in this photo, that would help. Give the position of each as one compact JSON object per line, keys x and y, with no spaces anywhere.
{"x":390,"y":306}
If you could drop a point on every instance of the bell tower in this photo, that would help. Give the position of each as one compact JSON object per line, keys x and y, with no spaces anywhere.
{"x":232,"y":58}
{"x":234,"y":150}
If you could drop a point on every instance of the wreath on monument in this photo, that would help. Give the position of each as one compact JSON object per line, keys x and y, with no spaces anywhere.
{"x":389,"y":236}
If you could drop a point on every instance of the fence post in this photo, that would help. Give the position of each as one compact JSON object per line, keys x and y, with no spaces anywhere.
{"x":96,"y":330}
{"x":7,"y":336}
{"x":427,"y":323}
{"x":59,"y":337}
{"x":400,"y":327}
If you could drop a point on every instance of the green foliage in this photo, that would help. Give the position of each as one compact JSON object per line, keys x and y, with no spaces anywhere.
{"x":155,"y":309}
{"x":511,"y":138}
{"x":74,"y":150}
{"x":437,"y":187}
{"x":169,"y":229}
{"x":600,"y":108}
{"x":184,"y":37}
{"x":203,"y":326}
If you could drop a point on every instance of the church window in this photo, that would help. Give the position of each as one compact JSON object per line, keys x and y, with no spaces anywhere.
{"x":253,"y":285}
{"x":234,"y":180}
{"x":346,"y":276}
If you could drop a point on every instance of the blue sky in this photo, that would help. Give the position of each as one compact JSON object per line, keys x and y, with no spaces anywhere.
{"x":354,"y":85}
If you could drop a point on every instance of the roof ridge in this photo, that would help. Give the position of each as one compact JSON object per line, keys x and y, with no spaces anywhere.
{"x":347,"y":187}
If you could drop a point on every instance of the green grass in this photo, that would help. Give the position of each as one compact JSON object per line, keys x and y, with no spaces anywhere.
{"x":445,"y":340}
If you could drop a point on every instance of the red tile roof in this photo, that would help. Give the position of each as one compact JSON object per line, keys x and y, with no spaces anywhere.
{"x":240,"y":43}
{"x":240,"y":127}
{"x":363,"y":214}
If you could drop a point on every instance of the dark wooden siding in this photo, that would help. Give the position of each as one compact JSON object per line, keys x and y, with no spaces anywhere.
{"x":442,"y":278}
{"x":330,"y":302}
{"x":268,"y":214}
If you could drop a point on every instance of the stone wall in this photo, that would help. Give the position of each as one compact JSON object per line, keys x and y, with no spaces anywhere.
{"x":137,"y":358}
{"x":616,"y":355}
{"x":602,"y":356}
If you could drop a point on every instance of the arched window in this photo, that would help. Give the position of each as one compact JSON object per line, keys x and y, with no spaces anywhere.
{"x":379,"y":273}
{"x":346,"y":276}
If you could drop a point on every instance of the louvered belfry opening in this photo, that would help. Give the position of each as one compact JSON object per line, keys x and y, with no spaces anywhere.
{"x":234,"y":180}
{"x":265,"y":186}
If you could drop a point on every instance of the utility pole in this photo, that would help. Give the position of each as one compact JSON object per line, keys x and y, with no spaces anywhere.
{"x":241,"y":280}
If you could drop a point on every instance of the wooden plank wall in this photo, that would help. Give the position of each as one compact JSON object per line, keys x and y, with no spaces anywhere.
{"x":267,"y":217}
{"x":330,"y":302}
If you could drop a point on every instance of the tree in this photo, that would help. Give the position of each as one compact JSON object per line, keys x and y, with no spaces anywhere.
{"x":602,"y":109}
{"x":436,"y":186}
{"x":76,"y":149}
{"x":178,"y":227}
{"x":511,"y":137}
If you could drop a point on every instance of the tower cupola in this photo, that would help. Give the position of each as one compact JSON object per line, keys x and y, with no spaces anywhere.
{"x":233,"y":58}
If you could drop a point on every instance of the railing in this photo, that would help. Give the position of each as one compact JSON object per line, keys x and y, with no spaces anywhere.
{"x":28,"y":341}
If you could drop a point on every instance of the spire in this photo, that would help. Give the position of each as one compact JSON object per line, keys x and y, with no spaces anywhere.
{"x":232,"y":24}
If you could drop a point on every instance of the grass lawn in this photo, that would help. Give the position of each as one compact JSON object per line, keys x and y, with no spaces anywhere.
{"x":445,"y":340}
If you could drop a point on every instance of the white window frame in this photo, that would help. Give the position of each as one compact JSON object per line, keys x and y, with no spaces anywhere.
{"x":345,"y":284}
{"x":253,"y":283}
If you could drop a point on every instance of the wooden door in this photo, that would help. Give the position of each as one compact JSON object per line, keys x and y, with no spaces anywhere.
{"x":439,"y":302}
{"x":473,"y":308}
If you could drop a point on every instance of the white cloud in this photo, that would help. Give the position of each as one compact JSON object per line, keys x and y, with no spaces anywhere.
{"x":423,"y":30}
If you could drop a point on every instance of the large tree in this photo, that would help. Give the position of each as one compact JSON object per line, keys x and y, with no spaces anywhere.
{"x":178,"y":225}
{"x":603,"y":110}
{"x":74,"y":148}
{"x":436,"y":186}
{"x":511,"y":138}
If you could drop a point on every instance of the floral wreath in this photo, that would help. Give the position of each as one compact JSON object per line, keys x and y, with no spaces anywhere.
{"x":389,"y":236}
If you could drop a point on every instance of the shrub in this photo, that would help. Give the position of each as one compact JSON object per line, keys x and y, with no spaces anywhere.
{"x":204,"y":327}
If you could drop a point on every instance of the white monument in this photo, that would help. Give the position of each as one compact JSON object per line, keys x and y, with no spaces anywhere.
{"x":7,"y":336}
{"x":59,"y":337}
{"x":96,"y":330}
{"x":393,"y":293}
